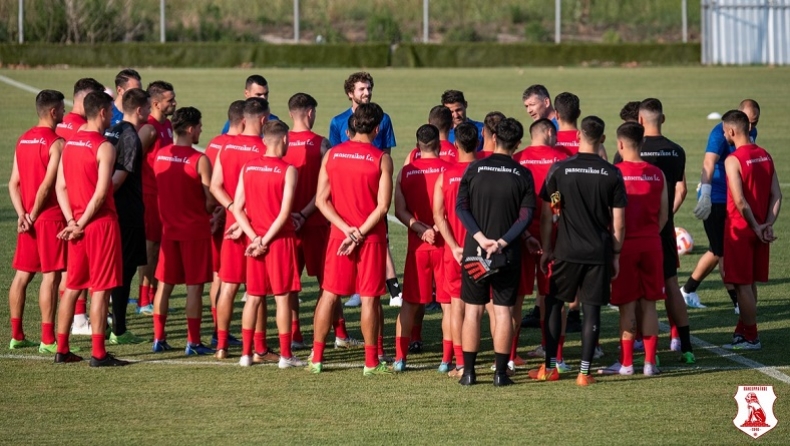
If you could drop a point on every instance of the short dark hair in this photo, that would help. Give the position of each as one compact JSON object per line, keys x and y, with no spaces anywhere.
{"x":46,"y":100}
{"x":256,"y":79}
{"x":255,"y":106}
{"x":236,"y":111}
{"x":567,"y":106}
{"x":351,"y":126}
{"x":652,"y":106}
{"x":453,"y":97}
{"x":302,"y":101}
{"x":592,"y":129}
{"x":737,"y":120}
{"x":541,"y":125}
{"x":123,"y":76}
{"x":133,"y":98}
{"x":275,"y":129}
{"x":630,"y":131}
{"x":157,"y":88}
{"x":428,"y":137}
{"x":491,"y":120}
{"x":630,"y":111}
{"x":466,"y":137}
{"x":184,"y":118}
{"x":95,"y":102}
{"x":509,"y":133}
{"x":367,"y":117}
{"x":536,"y":90}
{"x":87,"y":85}
{"x":441,"y":117}
{"x":360,"y":76}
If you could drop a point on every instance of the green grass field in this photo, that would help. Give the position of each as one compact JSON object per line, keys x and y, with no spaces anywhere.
{"x":182,"y":400}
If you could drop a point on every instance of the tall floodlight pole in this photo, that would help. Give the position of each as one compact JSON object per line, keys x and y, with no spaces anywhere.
{"x":425,"y":17}
{"x":557,"y":21}
{"x":21,"y":21}
{"x":684,"y":7}
{"x":296,"y":21}
{"x":162,"y":21}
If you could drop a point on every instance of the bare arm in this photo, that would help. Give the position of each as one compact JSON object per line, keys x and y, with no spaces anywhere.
{"x":384,"y":198}
{"x":62,"y":194}
{"x":217,"y":187}
{"x":440,"y":214}
{"x":663,"y":213}
{"x":775,"y":202}
{"x":618,"y":233}
{"x":22,"y":224}
{"x":105,"y":156}
{"x":204,"y":170}
{"x":708,"y":165}
{"x":680,"y":194}
{"x":147,"y":134}
{"x":602,"y":152}
{"x":46,"y":187}
{"x":118,"y":178}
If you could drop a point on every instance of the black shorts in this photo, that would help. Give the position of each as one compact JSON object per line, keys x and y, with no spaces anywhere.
{"x":714,"y":228}
{"x":669,"y":245}
{"x":502,"y":285}
{"x":592,"y":283}
{"x":133,"y":246}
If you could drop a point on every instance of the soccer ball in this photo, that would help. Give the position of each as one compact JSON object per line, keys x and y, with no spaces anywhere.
{"x":684,"y":241}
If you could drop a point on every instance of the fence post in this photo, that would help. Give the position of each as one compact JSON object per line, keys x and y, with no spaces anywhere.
{"x":162,"y":21}
{"x":685,"y":14}
{"x":21,"y":21}
{"x":425,"y":17}
{"x":557,"y":21}
{"x":296,"y":21}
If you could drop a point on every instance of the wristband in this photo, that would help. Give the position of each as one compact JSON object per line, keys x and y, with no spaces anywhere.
{"x":705,"y":189}
{"x":303,"y":216}
{"x":229,"y":205}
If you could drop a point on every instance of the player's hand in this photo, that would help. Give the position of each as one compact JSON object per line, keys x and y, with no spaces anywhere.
{"x":533,"y":246}
{"x":615,"y":266}
{"x":217,"y":219}
{"x":298,"y":220}
{"x":22,"y":224}
{"x":347,"y":246}
{"x":428,"y":236}
{"x":458,"y":254}
{"x":546,"y":258}
{"x":489,"y":246}
{"x":702,"y":211}
{"x":768,"y":233}
{"x":30,"y":218}
{"x":233,"y":232}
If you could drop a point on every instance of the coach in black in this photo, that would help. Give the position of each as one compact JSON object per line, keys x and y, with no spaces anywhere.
{"x":496,"y":200}
{"x":589,"y":196}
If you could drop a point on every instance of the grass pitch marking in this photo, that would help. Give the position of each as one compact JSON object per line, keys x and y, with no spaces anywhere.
{"x":26,"y":87}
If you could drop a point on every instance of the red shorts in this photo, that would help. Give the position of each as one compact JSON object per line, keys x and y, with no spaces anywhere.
{"x":40,"y":249}
{"x":311,"y":249}
{"x":530,"y":270}
{"x":361,"y":272}
{"x":153,"y":223}
{"x":641,"y":277}
{"x":216,"y":250}
{"x":276,"y":271}
{"x":233,"y":262}
{"x":746,"y":258}
{"x":424,"y":269}
{"x":94,"y":261}
{"x":184,"y":262}
{"x":452,"y":273}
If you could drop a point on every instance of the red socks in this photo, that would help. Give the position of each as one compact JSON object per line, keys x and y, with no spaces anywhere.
{"x":285,"y":345}
{"x":459,"y":355}
{"x":651,"y":343}
{"x":214,"y":317}
{"x":63,"y":343}
{"x":159,"y":326}
{"x":144,"y":299}
{"x":318,"y":352}
{"x":246,"y":340}
{"x":17,"y":332}
{"x":416,"y":332}
{"x":447,"y":351}
{"x":627,"y":352}
{"x":80,"y":307}
{"x":380,"y":345}
{"x":750,"y":332}
{"x":514,"y":346}
{"x":222,"y":339}
{"x":559,"y":348}
{"x":97,"y":341}
{"x":739,"y":329}
{"x":401,"y":347}
{"x":47,"y":333}
{"x":371,"y":356}
{"x":193,"y":330}
{"x":340,"y":329}
{"x":296,"y":331}
{"x":260,"y":342}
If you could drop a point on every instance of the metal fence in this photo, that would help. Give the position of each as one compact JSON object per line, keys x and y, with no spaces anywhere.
{"x":745,"y":32}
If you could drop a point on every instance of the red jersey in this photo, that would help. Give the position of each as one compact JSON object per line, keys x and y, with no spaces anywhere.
{"x":304,"y":153}
{"x":447,"y":153}
{"x":164,"y":138}
{"x":182,"y":200}
{"x":81,"y":172}
{"x":451,"y":182}
{"x":264,"y":183}
{"x":644,"y":184}
{"x":417,"y":182}
{"x":483,"y":154}
{"x":569,"y":140}
{"x":214,"y":146}
{"x":539,"y":159}
{"x":32,"y":158}
{"x":238,"y":151}
{"x":757,"y":173}
{"x":354,"y":170}
{"x":70,"y":125}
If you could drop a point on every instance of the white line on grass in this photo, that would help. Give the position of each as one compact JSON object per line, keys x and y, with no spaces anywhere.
{"x":26,"y":87}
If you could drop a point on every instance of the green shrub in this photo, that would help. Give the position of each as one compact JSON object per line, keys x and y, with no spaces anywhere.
{"x":382,"y":27}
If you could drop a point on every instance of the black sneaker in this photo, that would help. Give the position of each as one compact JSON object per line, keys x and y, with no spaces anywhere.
{"x":64,"y":358}
{"x":574,"y":324}
{"x":468,"y":379}
{"x":415,"y":347}
{"x":108,"y":361}
{"x":502,"y":380}
{"x":531,"y":319}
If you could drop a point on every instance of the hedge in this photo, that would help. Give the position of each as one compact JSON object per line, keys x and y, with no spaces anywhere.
{"x":344,"y":55}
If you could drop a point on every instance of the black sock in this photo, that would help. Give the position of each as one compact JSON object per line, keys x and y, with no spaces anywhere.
{"x":500,"y":362}
{"x":685,"y":339}
{"x":393,"y":287}
{"x":120,"y":299}
{"x":469,"y":362}
{"x":535,"y":311}
{"x":574,"y":315}
{"x":733,"y":297}
{"x":691,"y":285}
{"x":591,"y":330}
{"x":553,"y":327}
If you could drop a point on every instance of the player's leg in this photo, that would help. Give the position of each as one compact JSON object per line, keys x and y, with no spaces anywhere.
{"x":120,"y":300}
{"x":213,"y":295}
{"x":393,"y":287}
{"x":262,"y":352}
{"x":415,"y":346}
{"x":369,"y":322}
{"x":514,"y":358}
{"x":248,"y":321}
{"x":161,"y":306}
{"x":227,"y":294}
{"x":417,"y":285}
{"x":297,"y":339}
{"x":470,"y":340}
{"x":194,"y":313}
{"x":403,"y":329}
{"x":196,"y":255}
{"x":649,"y":325}
{"x":325,"y":313}
{"x":81,"y":323}
{"x":47,"y":302}
{"x":65,"y":316}
{"x":370,"y":283}
{"x":457,"y":311}
{"x":283,"y":318}
{"x":147,"y":280}
{"x":503,"y":342}
{"x":100,"y":302}
{"x":627,"y":336}
{"x":16,"y":303}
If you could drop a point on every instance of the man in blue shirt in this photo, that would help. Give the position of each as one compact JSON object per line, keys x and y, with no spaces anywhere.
{"x":537,"y":101}
{"x":454,"y":100}
{"x":126,"y":79}
{"x":256,"y":86}
{"x":359,"y":89}
{"x":712,"y":204}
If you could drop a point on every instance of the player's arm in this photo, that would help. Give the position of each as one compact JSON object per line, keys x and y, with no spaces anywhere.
{"x":123,"y":164}
{"x":323,"y":200}
{"x":61,"y":192}
{"x":204,"y":170}
{"x":403,"y":213}
{"x":310,"y":207}
{"x":285,"y":207}
{"x":774,"y":202}
{"x":105,"y":156}
{"x":712,"y":155}
{"x":440,"y":214}
{"x":118,"y":178}
{"x":217,"y":187}
{"x":147,"y":134}
{"x":618,"y":236}
{"x":663,"y":213}
{"x":602,"y":152}
{"x":45,"y":189}
{"x":239,"y":206}
{"x":384,"y":198}
{"x":525,"y":213}
{"x":463,"y":209}
{"x":735,"y":185}
{"x":680,"y":194}
{"x":22,"y":224}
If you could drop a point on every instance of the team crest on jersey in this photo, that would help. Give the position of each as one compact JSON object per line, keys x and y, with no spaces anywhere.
{"x":755,"y":410}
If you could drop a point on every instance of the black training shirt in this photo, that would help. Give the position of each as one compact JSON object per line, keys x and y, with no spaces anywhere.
{"x":588,"y":187}
{"x":129,"y":158}
{"x":497,"y":197}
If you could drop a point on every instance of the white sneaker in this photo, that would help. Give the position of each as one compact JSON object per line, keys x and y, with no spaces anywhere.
{"x":245,"y":361}
{"x":692,"y":299}
{"x":562,"y":367}
{"x":650,"y":369}
{"x":354,"y":301}
{"x":83,"y":329}
{"x":626,"y":370}
{"x":737,"y":309}
{"x":598,"y":352}
{"x":310,"y":356}
{"x":348,"y":342}
{"x":396,"y":301}
{"x":293,"y":361}
{"x":674,"y":344}
{"x":613,"y":369}
{"x":539,"y":352}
